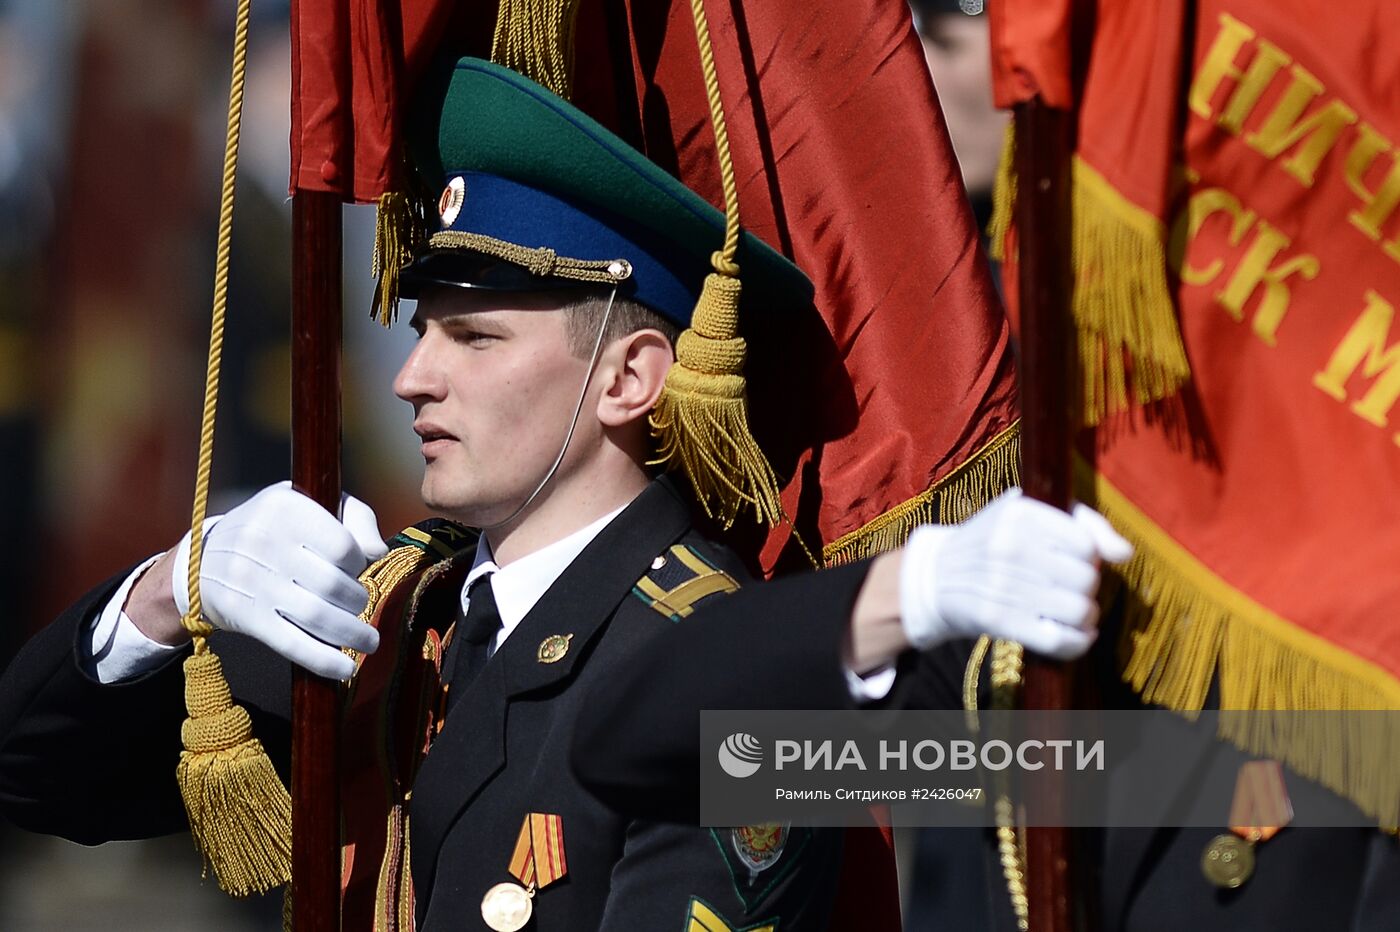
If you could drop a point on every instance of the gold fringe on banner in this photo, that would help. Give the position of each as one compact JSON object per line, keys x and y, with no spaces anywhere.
{"x":953,"y":499}
{"x":1185,"y":626}
{"x":1130,"y":347}
{"x":400,"y":230}
{"x":1122,"y":304}
{"x":536,"y":38}
{"x":1003,"y":196}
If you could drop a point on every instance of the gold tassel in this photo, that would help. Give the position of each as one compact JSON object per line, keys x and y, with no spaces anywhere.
{"x":701,"y":418}
{"x":240,"y":813}
{"x":536,"y":38}
{"x":952,"y":500}
{"x":400,"y":229}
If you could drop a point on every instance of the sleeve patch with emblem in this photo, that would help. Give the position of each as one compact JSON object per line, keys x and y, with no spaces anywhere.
{"x":679,"y":580}
{"x":759,"y":857}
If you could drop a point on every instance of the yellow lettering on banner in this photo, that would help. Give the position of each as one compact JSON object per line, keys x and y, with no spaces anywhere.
{"x":1255,"y":268}
{"x":1379,"y":204}
{"x":1364,"y":347}
{"x":1268,"y":60}
{"x":1201,"y":205}
{"x":1255,"y":271}
{"x":1219,"y":64}
{"x":1286,"y":127}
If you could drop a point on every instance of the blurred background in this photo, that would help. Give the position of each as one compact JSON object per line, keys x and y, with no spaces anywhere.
{"x":112,"y":118}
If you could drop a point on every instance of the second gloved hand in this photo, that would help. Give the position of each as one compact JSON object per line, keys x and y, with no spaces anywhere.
{"x":1018,"y":569}
{"x":281,"y":569}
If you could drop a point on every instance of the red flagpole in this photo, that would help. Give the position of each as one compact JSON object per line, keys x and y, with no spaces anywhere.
{"x":1044,"y":143}
{"x":316,"y":343}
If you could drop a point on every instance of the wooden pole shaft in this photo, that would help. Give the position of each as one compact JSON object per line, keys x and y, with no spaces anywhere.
{"x":316,"y":343}
{"x":1048,"y":371}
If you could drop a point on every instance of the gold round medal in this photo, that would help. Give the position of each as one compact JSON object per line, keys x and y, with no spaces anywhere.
{"x":1228,"y":861}
{"x":506,"y":907}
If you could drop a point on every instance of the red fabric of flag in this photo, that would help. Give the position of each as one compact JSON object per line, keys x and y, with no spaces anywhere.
{"x":844,"y":164}
{"x":1031,"y":42}
{"x":1252,"y":144}
{"x":353,"y":66}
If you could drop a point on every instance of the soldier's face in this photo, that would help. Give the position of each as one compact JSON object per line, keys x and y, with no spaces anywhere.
{"x":493,"y":385}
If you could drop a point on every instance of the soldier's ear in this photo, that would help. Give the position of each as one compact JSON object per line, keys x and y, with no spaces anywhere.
{"x":633,"y":372}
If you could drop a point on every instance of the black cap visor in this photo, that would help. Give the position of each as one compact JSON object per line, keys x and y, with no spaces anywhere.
{"x":460,"y":268}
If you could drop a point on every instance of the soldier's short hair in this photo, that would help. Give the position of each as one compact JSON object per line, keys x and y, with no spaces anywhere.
{"x":584,"y":315}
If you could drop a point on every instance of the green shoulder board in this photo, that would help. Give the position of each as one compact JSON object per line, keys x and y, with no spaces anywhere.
{"x":436,"y":536}
{"x":681,"y":579}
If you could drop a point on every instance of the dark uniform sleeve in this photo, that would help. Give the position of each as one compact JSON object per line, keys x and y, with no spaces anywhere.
{"x":93,"y":762}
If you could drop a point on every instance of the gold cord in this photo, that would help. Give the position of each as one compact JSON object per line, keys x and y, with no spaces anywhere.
{"x":723,"y":261}
{"x":542,"y":261}
{"x":193,"y":621}
{"x":1008,"y":659}
{"x":239,"y":811}
{"x":701,"y":420}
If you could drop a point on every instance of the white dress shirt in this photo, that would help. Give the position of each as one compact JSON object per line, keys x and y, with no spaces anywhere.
{"x":518,"y":585}
{"x":119,"y":649}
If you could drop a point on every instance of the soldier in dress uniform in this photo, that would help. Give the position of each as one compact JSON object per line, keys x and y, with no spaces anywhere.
{"x":548,"y":305}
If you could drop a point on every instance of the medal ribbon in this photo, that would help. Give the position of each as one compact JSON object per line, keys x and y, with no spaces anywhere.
{"x":1261,"y":805}
{"x":538,"y":860}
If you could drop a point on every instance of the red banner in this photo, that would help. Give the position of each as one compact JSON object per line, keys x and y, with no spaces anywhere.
{"x":1265,"y":496}
{"x":901,"y":406}
{"x":354,"y":63}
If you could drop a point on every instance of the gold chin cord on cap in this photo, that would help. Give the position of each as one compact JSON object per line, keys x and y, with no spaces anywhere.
{"x":702,"y":418}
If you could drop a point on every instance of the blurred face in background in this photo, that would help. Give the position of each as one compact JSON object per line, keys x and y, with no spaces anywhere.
{"x":958,"y":50}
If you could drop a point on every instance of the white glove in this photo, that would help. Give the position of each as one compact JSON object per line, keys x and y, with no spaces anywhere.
{"x":1018,"y":569}
{"x":281,"y":569}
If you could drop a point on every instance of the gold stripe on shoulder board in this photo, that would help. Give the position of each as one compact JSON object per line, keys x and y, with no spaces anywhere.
{"x":680,"y":600}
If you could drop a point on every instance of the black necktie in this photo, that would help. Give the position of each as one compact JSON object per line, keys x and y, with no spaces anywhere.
{"x":472,"y":639}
